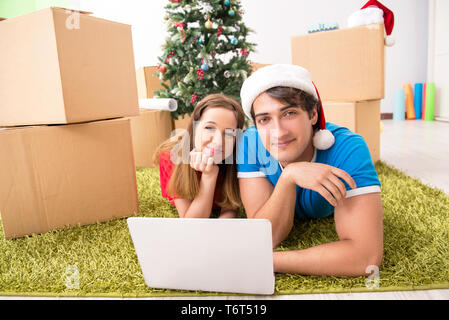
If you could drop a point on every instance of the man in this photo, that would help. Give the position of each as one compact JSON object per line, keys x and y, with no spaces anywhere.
{"x":291,"y":167}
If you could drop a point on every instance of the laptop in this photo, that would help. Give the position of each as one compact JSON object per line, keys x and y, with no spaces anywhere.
{"x":218,"y":255}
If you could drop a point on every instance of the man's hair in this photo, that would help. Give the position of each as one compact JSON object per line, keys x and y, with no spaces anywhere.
{"x":295,"y":97}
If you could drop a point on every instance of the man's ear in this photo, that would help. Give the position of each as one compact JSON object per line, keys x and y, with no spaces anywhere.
{"x":314,"y":117}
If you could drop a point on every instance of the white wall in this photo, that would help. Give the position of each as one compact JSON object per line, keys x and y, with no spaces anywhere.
{"x":274,"y":23}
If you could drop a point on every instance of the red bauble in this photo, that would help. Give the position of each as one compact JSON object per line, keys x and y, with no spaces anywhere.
{"x":162,"y":69}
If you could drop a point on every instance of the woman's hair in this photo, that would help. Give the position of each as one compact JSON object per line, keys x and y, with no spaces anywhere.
{"x":184,"y":182}
{"x":295,"y":97}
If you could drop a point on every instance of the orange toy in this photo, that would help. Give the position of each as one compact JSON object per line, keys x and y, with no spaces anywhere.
{"x":409,"y":105}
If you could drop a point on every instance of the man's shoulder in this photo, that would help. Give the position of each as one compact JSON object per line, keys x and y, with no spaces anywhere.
{"x":348,"y":146}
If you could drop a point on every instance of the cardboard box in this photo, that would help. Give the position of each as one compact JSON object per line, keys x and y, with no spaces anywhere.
{"x":347,"y":64}
{"x":256,"y":66}
{"x":59,"y":66}
{"x":362,"y":117}
{"x":182,"y":122}
{"x":149,"y":130}
{"x":62,"y":175}
{"x":147,"y":82}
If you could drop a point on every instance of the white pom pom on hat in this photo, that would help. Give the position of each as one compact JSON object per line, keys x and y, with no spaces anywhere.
{"x":285,"y":75}
{"x":374,"y":12}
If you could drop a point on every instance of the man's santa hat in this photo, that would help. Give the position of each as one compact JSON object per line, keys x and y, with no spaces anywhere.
{"x":374,"y":12}
{"x":285,"y":75}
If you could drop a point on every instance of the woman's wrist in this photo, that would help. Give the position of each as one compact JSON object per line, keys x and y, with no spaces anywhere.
{"x":210,"y":176}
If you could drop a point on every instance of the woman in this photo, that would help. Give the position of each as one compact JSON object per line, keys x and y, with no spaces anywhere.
{"x":198,"y":168}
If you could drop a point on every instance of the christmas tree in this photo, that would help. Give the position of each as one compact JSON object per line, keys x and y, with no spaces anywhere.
{"x":205,"y":52}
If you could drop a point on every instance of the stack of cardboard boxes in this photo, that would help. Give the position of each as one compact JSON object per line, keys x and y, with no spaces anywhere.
{"x":347,"y":67}
{"x":67,"y":84}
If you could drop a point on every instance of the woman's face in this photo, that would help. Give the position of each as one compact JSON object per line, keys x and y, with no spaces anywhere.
{"x":216,"y":132}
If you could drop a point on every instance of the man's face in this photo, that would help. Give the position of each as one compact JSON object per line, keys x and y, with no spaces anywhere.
{"x":286,"y":130}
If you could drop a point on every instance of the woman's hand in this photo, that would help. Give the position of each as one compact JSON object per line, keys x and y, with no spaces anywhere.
{"x":321,"y":178}
{"x":203,"y":161}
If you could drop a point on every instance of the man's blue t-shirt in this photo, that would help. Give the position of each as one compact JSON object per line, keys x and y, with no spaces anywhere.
{"x":349,"y":153}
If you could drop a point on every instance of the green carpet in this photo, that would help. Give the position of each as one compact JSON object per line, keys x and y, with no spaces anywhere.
{"x":416,"y":249}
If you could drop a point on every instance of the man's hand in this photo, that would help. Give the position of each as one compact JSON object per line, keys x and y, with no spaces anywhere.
{"x":321,"y":178}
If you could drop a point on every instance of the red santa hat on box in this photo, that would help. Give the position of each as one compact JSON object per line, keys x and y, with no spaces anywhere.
{"x":286,"y":75}
{"x":374,"y":12}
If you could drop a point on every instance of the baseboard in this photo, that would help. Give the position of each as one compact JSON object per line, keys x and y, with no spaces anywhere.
{"x":389,"y":116}
{"x":442,"y":119}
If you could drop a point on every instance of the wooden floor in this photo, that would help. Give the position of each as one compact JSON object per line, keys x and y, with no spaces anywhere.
{"x":420,"y":149}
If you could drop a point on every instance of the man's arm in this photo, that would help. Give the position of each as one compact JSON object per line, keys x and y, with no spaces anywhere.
{"x":359,"y":227}
{"x":263,"y":201}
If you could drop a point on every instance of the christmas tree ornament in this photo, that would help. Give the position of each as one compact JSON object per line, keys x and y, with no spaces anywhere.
{"x":208,"y":24}
{"x":170,"y":54}
{"x":200,"y":74}
{"x":206,"y":8}
{"x":180,"y":26}
{"x":234,"y":41}
{"x":219,"y":31}
{"x":231,"y":13}
{"x":200,"y":41}
{"x":204,"y":67}
{"x":213,"y":53}
{"x":237,"y":28}
{"x":227,"y":74}
{"x":193,"y":98}
{"x":244,"y":52}
{"x":166,"y":17}
{"x":227,"y":3}
{"x":162,"y":69}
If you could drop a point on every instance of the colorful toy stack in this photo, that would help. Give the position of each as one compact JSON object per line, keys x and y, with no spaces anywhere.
{"x":415,"y":104}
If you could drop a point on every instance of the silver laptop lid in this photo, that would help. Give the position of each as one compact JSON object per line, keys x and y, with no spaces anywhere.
{"x":222,"y":255}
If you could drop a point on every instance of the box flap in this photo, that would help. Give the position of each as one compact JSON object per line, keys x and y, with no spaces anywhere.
{"x":75,"y":10}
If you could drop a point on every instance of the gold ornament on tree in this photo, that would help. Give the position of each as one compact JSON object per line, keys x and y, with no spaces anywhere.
{"x":208,"y":23}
